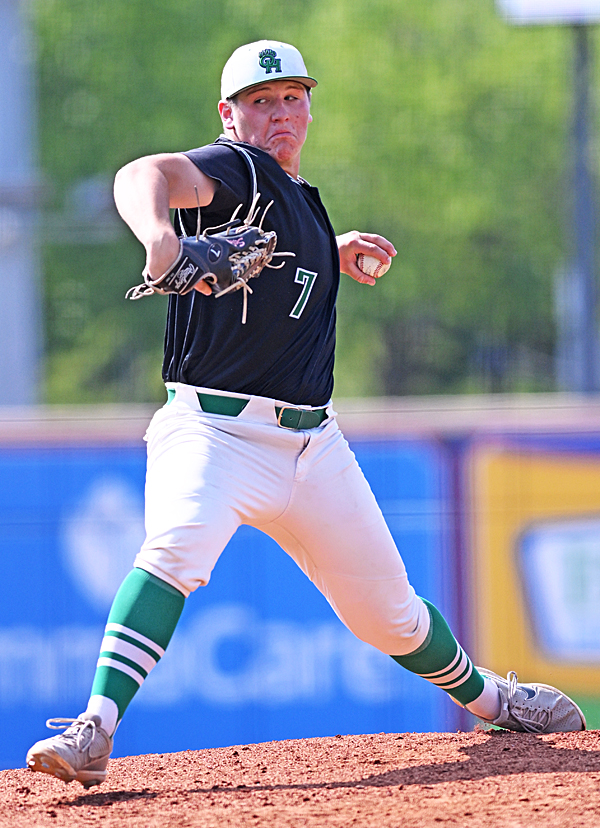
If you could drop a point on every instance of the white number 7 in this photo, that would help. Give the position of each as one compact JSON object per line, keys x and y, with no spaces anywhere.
{"x":306,"y":278}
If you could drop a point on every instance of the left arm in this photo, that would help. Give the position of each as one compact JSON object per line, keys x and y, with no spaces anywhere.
{"x":352,"y":243}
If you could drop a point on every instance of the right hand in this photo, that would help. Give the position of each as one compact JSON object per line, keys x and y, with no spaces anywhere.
{"x":352,"y":243}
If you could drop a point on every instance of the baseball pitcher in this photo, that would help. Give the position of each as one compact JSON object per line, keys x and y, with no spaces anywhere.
{"x":248,"y":434}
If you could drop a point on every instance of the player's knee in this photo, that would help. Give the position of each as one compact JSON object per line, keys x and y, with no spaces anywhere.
{"x":393,"y":629}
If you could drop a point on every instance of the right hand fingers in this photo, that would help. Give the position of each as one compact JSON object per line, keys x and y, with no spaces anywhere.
{"x":375,"y":244}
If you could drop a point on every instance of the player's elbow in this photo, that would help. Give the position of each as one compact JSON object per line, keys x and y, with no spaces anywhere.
{"x":134,"y":170}
{"x":125,"y":178}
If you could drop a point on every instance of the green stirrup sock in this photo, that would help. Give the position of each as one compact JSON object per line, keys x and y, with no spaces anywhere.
{"x":142,"y":620}
{"x":442,"y":661}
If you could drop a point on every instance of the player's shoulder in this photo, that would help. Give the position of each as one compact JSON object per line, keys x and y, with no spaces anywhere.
{"x":236,"y":154}
{"x":224,"y":151}
{"x":217,"y":152}
{"x":220,"y":162}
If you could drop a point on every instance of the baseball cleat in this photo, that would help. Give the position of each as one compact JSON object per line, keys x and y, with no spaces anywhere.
{"x":534,"y":708}
{"x":80,"y":753}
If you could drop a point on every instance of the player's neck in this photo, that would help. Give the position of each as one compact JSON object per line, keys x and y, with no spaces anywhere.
{"x":289,"y":164}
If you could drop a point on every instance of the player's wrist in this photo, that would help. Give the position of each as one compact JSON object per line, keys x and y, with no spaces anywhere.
{"x":161,"y":254}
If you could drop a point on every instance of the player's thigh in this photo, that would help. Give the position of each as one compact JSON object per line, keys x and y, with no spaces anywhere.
{"x":381,"y":609}
{"x":334,"y":516}
{"x":184,"y":554}
{"x":335,"y":531}
{"x":247,"y":465}
{"x":190,"y":510}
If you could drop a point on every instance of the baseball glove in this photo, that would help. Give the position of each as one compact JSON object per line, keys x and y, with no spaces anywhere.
{"x":225,"y":257}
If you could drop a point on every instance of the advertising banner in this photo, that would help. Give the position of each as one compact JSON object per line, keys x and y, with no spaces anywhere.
{"x":535,"y":508}
{"x":258,"y":653}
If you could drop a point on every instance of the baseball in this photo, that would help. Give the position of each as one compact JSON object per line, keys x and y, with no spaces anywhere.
{"x":371,"y":266}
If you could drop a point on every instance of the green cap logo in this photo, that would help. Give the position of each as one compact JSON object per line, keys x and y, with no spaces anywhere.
{"x":268,"y":60}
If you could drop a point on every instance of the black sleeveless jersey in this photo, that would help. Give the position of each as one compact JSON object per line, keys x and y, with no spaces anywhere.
{"x":286,"y":348}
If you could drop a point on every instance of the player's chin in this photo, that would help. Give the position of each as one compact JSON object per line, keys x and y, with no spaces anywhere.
{"x":284,"y":148}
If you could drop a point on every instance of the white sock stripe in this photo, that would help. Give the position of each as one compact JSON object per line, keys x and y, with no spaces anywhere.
{"x":462,"y":680}
{"x":456,"y":673}
{"x":112,"y":644}
{"x":451,"y":666}
{"x":124,"y":668}
{"x":450,"y":675}
{"x":138,"y":637}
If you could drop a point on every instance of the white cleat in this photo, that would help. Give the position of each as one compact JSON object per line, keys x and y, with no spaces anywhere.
{"x":80,"y":753}
{"x":534,"y":708}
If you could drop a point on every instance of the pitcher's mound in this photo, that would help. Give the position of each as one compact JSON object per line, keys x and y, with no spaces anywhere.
{"x":484,"y":778}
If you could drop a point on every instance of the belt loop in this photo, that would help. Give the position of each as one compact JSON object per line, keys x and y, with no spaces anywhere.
{"x":219,"y":404}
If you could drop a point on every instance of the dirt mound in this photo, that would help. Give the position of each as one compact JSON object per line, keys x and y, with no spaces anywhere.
{"x":484,"y":778}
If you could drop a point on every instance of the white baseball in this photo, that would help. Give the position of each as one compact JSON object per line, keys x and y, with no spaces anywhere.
{"x":371,"y":266}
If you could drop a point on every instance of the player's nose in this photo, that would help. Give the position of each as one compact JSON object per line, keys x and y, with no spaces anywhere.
{"x":279,"y":111}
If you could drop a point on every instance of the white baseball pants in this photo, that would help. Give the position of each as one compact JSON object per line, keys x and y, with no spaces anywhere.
{"x":208,"y":474}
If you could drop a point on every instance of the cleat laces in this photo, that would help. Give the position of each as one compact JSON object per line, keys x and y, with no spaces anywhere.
{"x":531,"y":719}
{"x":75,"y":731}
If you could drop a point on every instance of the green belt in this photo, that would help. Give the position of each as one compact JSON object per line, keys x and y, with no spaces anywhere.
{"x":299,"y":418}
{"x":287,"y":417}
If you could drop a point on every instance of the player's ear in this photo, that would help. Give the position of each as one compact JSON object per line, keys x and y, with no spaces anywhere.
{"x":226,"y":113}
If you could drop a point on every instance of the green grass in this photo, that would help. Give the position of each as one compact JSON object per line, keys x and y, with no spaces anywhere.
{"x":591,"y":710}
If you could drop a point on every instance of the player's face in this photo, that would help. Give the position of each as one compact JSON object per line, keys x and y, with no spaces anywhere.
{"x":273,"y":117}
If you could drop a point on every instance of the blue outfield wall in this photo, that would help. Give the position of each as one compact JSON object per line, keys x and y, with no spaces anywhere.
{"x":258,"y":654}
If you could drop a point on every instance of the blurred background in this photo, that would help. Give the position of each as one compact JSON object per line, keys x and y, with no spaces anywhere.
{"x":466,"y":380}
{"x":435,"y":124}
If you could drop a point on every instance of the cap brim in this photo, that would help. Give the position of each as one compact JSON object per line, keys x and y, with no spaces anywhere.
{"x":305,"y":81}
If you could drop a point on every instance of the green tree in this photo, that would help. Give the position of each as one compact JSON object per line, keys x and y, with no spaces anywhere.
{"x":436,"y":124}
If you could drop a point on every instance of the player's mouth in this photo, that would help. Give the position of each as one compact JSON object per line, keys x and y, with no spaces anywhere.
{"x":283,"y":133}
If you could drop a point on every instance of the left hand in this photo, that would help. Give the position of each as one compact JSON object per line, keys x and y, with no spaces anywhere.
{"x":352,"y":243}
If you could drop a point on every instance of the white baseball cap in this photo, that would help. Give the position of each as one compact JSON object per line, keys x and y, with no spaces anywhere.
{"x":260,"y":62}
